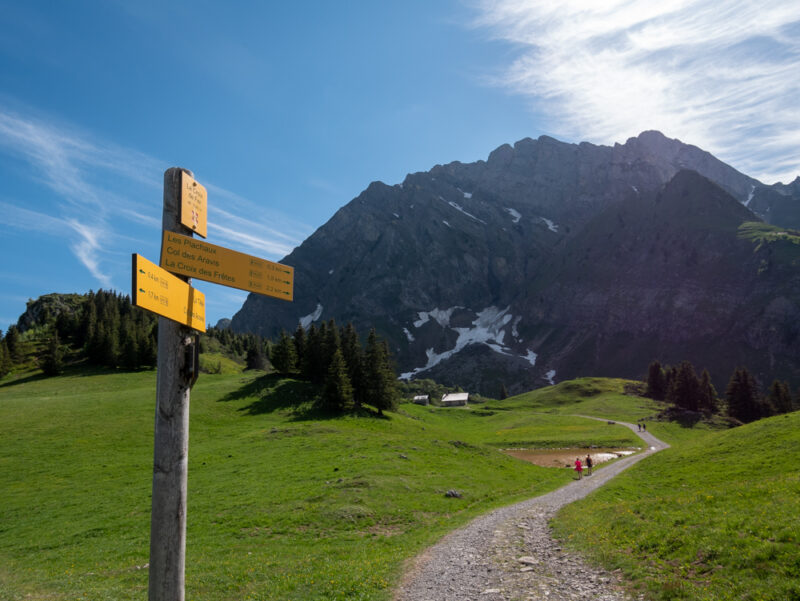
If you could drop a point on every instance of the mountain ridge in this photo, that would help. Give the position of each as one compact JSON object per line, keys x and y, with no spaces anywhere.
{"x":480,"y":254}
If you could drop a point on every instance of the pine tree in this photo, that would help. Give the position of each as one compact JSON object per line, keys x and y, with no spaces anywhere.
{"x":779,"y":397}
{"x":53,"y":361}
{"x":338,"y":393}
{"x":708,"y":394}
{"x":656,"y":382}
{"x":88,"y":323}
{"x":381,"y":385}
{"x":354,"y":359}
{"x":742,"y":396}
{"x":284,"y":356}
{"x":255,"y":355}
{"x":684,"y":390}
{"x":332,"y":344}
{"x":300,"y":343}
{"x":5,"y":359}
{"x":13,"y":344}
{"x":314,"y":367}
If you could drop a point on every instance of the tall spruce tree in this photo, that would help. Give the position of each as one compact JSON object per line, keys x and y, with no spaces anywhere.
{"x":742,"y":396}
{"x":314,"y":367}
{"x":300,"y":343}
{"x":354,"y":359}
{"x":13,"y":344}
{"x":255,"y":358}
{"x":129,"y":345}
{"x":381,"y":384}
{"x":53,"y":360}
{"x":684,"y":390}
{"x":708,"y":394}
{"x":333,"y":343}
{"x":284,"y":355}
{"x":656,"y":382}
{"x":5,"y":359}
{"x":337,"y":395}
{"x":780,"y":397}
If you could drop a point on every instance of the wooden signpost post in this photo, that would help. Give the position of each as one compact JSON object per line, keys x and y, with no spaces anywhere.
{"x":166,"y":291}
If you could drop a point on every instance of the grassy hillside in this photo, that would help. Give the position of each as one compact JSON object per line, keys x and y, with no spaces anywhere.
{"x":283,"y":503}
{"x":286,"y":504}
{"x":712,"y":519}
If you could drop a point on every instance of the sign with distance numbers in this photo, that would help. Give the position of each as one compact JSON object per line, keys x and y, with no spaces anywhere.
{"x":187,"y":256}
{"x":194,"y":205}
{"x":157,"y":290}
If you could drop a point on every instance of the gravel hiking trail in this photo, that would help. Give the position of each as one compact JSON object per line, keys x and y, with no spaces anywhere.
{"x":509,"y":554}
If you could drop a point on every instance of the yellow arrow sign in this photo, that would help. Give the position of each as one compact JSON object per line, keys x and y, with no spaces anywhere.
{"x":159,"y":291}
{"x":185,"y":255}
{"x":194,"y":205}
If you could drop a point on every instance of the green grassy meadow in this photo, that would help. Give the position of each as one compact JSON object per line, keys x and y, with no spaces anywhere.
{"x":287,"y":504}
{"x":283,"y":503}
{"x":715,"y":518}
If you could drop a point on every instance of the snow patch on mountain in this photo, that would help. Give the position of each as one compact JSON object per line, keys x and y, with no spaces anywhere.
{"x":515,"y":215}
{"x":487,"y":328}
{"x":750,"y":196}
{"x":458,"y":207}
{"x":550,"y":225}
{"x":551,"y":375}
{"x":531,"y":357}
{"x":514,"y":331}
{"x":311,"y":317}
{"x":440,"y":316}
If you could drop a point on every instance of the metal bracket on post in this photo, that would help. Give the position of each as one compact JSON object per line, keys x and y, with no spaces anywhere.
{"x":191,"y":364}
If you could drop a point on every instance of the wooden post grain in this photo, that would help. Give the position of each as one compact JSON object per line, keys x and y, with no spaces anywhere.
{"x":171,"y":437}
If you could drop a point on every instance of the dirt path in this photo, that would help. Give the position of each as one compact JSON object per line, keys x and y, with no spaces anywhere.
{"x":509,"y":554}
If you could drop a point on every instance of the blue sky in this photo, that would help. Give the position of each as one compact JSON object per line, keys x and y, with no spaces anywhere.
{"x":286,"y":111}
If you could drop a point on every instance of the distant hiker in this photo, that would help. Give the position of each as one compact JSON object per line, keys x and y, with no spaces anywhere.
{"x":644,"y":426}
{"x":578,"y":467}
{"x":639,"y":425}
{"x":589,"y":465}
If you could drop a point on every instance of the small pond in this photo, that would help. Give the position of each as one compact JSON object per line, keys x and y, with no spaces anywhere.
{"x":566,"y":457}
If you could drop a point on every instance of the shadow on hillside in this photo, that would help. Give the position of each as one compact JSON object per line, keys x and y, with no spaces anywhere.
{"x":24,"y":380}
{"x":78,"y":369}
{"x":272,"y":393}
{"x":683,"y":417}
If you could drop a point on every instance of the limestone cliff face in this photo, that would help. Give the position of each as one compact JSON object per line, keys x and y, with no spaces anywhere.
{"x":553,"y":260}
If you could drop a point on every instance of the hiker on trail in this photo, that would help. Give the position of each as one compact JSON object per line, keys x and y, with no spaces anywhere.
{"x":589,"y":464}
{"x":639,"y":425}
{"x":644,"y":426}
{"x":578,"y":467}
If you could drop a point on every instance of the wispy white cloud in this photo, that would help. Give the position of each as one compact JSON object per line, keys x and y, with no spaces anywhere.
{"x":97,"y":188}
{"x":723,"y":76}
{"x":87,"y":247}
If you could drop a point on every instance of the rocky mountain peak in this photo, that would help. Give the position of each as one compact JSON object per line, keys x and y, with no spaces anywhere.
{"x":548,"y":260}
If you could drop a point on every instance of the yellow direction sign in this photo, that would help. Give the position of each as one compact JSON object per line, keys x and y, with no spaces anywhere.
{"x":185,"y":255}
{"x":194,"y":205}
{"x":159,"y":291}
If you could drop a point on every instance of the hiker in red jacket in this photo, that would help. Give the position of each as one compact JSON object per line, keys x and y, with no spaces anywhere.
{"x":578,"y":467}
